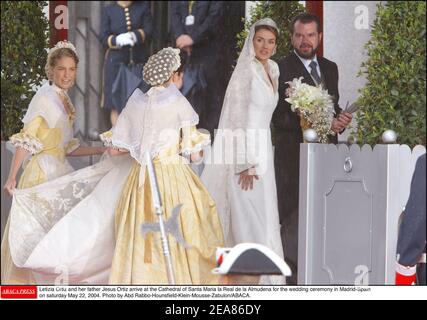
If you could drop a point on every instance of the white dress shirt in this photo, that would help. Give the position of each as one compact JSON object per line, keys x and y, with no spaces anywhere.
{"x":307,"y":62}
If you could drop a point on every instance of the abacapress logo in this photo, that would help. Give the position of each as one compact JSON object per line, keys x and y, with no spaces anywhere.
{"x":18,"y":292}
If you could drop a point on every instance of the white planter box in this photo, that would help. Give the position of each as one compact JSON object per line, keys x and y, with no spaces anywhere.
{"x":348,"y":221}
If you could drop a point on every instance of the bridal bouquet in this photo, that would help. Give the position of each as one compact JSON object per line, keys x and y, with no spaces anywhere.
{"x":314,"y":105}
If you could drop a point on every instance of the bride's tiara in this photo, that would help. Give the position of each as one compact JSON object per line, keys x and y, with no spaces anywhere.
{"x":63,"y":44}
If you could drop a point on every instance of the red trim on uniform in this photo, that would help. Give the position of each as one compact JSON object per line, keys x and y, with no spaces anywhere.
{"x":405,"y":280}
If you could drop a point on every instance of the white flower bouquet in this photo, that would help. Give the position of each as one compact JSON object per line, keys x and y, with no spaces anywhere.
{"x":314,"y":106}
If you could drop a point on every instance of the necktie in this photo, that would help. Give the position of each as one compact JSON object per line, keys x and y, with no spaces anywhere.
{"x":314,"y":74}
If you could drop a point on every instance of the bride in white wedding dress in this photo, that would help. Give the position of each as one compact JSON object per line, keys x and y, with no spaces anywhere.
{"x":240,"y":176}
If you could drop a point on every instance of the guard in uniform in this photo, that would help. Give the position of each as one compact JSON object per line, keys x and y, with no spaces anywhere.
{"x":411,"y":245}
{"x":194,"y":26}
{"x":125,"y":26}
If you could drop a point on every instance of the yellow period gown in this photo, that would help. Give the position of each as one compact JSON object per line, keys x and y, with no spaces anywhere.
{"x":47,"y":135}
{"x":167,"y":130}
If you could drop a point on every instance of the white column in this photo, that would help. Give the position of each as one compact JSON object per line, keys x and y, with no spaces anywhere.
{"x":346,"y":29}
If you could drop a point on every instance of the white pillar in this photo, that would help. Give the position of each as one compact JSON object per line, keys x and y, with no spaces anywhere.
{"x":346,"y":29}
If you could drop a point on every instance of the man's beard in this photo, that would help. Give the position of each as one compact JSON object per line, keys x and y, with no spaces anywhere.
{"x":309,"y":55}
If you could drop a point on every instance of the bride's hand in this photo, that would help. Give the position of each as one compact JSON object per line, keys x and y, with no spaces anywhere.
{"x":246,"y":179}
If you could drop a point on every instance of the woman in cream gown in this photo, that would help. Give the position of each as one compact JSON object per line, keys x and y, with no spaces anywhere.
{"x":48,"y":136}
{"x":96,"y":236}
{"x":162,"y":122}
{"x":244,"y":187}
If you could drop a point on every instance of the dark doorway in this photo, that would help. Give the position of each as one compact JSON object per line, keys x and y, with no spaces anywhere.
{"x":231,"y":24}
{"x":84,"y":29}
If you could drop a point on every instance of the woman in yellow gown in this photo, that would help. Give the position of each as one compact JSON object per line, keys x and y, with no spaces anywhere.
{"x":162,"y":123}
{"x":48,"y":136}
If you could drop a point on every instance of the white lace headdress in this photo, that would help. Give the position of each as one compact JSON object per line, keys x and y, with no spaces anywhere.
{"x":160,"y":66}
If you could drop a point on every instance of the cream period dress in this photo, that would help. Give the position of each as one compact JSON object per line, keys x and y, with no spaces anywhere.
{"x":93,"y":234}
{"x":47,"y":135}
{"x":163,"y":124}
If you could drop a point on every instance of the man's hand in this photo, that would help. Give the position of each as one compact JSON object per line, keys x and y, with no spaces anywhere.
{"x":345,"y":118}
{"x":337,"y":126}
{"x":340,"y":123}
{"x":124,"y":39}
{"x":184,"y":40}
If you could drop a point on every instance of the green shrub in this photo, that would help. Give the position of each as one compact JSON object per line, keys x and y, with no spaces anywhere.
{"x":282,"y":13}
{"x":24,"y":39}
{"x":394,"y":96}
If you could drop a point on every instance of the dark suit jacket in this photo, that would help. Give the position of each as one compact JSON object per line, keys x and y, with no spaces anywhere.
{"x":412,"y":233}
{"x":207,"y":16}
{"x":291,"y":67}
{"x":288,"y":136}
{"x":287,"y":129}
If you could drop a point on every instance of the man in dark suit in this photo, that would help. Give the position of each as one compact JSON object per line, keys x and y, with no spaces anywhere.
{"x":302,"y":61}
{"x":411,"y":256}
{"x":194,"y":26}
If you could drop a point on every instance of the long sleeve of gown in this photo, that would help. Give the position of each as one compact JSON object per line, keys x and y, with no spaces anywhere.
{"x":29,"y":137}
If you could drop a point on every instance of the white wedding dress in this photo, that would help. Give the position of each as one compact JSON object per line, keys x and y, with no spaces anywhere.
{"x":251,"y":215}
{"x":255,"y":213}
{"x":63,"y":230}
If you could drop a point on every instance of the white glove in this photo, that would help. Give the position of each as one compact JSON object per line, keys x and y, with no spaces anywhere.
{"x":128,"y":42}
{"x":124,"y":39}
{"x":133,"y":37}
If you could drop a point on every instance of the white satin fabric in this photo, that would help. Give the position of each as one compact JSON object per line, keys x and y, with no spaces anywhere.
{"x":64,"y":229}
